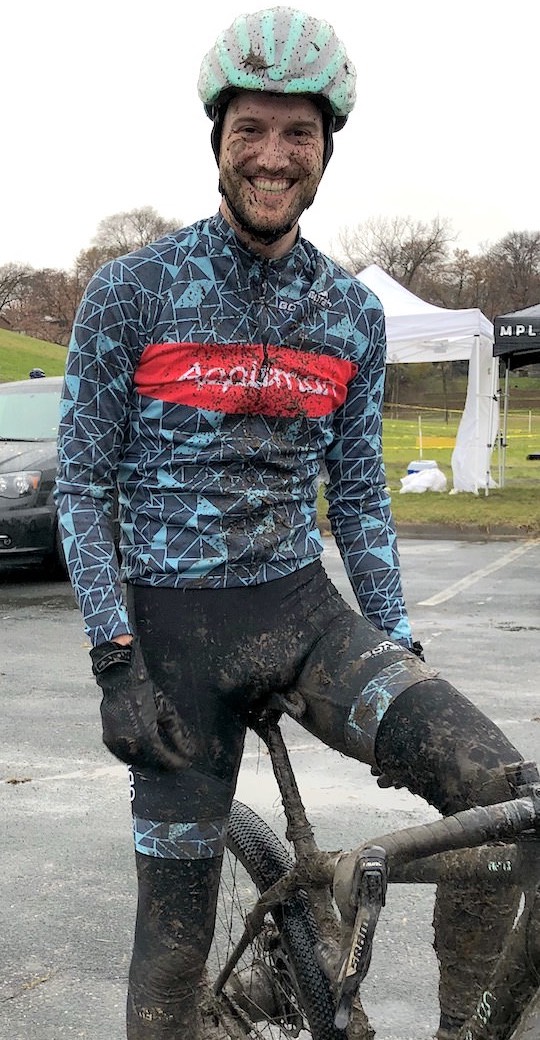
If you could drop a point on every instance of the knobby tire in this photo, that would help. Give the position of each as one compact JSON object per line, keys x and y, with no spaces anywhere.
{"x":257,"y":848}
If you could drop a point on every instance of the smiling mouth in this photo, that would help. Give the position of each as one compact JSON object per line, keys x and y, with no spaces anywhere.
{"x":274,"y":187}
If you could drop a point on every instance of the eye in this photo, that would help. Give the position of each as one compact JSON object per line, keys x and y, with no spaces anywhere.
{"x":248,"y":130}
{"x":301,"y":135}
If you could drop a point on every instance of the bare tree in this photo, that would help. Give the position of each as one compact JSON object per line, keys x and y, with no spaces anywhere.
{"x":53,"y":296}
{"x":49,"y":305}
{"x":88,"y":261}
{"x":406,"y":249}
{"x":500,"y":278}
{"x":514,"y":270}
{"x":462,"y":281}
{"x":13,"y":279}
{"x":412,"y":252}
{"x":123,"y":232}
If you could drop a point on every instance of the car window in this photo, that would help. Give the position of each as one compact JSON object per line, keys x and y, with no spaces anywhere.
{"x":29,"y":416}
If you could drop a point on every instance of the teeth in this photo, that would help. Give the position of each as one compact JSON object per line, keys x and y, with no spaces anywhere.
{"x":275,"y":186}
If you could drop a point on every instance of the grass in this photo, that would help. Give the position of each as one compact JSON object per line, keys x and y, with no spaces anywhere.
{"x":406,"y":439}
{"x":505,"y":510}
{"x":19,"y":353}
{"x":512,"y":511}
{"x":514,"y":508}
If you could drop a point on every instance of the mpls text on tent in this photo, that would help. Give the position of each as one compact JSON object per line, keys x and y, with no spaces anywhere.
{"x":517,"y":330}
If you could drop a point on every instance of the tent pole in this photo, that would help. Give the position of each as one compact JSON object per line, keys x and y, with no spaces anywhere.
{"x":505,"y":422}
{"x":499,"y":432}
{"x":491,"y":431}
{"x":477,"y":416}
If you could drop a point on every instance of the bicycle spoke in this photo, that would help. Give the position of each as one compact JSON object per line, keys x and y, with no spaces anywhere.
{"x":261,"y":993}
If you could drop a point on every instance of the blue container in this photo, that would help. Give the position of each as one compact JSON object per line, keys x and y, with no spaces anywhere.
{"x":420,"y":464}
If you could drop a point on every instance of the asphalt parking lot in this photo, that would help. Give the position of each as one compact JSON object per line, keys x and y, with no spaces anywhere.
{"x":66,"y":859}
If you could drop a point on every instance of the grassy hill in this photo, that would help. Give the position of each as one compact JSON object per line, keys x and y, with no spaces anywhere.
{"x":18,"y":354}
{"x":422,"y":388}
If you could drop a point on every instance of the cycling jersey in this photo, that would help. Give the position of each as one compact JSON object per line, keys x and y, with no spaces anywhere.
{"x":210,"y":384}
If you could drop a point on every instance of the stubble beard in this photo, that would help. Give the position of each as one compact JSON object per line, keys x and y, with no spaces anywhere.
{"x":262,"y":232}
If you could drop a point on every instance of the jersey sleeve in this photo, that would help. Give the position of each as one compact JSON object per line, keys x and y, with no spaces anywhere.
{"x":101,"y":358}
{"x":359,"y":505}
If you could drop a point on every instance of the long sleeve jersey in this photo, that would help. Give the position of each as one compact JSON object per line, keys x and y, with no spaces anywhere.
{"x":208,"y":385}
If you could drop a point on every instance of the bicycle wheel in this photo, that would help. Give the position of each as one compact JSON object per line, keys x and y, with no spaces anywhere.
{"x":277,"y":990}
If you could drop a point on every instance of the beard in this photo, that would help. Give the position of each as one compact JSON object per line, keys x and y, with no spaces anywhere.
{"x":263,"y":228}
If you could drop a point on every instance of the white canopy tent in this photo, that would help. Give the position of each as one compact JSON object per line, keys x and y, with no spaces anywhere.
{"x":419,"y":331}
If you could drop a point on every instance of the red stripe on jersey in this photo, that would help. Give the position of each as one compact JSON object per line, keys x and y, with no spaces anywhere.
{"x":244,"y":378}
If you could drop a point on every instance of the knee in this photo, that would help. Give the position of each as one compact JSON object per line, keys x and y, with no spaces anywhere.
{"x":174,"y":927}
{"x":170,"y":975}
{"x":436,"y":742}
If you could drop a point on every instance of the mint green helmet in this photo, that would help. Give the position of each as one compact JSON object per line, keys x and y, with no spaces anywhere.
{"x":281,"y":51}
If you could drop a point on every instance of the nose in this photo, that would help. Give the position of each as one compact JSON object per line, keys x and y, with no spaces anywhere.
{"x":273,"y":152}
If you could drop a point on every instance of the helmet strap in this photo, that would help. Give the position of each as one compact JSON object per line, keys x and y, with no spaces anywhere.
{"x":217,"y":130}
{"x":328,"y":129}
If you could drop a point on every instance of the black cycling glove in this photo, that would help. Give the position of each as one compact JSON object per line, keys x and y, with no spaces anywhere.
{"x":418,"y":650}
{"x":140,"y":726}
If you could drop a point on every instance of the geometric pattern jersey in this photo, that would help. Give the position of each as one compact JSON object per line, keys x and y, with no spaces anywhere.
{"x":209,"y":385}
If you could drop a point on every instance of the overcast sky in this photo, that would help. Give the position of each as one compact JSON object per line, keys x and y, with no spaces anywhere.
{"x":101,"y":114}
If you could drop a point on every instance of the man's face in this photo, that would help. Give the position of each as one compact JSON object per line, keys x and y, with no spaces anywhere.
{"x":270,"y":162}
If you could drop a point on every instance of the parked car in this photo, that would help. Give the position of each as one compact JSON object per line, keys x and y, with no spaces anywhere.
{"x":29,"y":414}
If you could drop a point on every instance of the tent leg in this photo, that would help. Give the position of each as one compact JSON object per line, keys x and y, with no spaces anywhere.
{"x":492,"y":431}
{"x":505,"y":424}
{"x":477,"y":416}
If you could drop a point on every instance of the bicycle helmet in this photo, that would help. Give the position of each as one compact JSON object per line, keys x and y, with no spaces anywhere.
{"x":36,"y":373}
{"x":280,"y":51}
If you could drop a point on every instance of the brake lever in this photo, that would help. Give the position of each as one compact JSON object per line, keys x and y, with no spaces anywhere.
{"x":524,"y":781}
{"x":369,"y":895}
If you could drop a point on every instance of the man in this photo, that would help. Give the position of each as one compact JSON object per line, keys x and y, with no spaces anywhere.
{"x":209,"y":376}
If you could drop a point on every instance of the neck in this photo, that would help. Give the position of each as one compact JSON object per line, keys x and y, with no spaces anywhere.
{"x":269,"y":250}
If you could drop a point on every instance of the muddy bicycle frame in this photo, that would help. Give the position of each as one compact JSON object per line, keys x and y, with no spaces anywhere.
{"x":454,"y":848}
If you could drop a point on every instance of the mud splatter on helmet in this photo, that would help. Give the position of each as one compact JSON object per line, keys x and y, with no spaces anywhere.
{"x":279,"y":51}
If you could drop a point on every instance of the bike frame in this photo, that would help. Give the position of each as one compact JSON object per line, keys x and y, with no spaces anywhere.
{"x":513,"y":985}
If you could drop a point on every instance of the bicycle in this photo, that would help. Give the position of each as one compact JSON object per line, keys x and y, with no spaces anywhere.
{"x":292,"y":964}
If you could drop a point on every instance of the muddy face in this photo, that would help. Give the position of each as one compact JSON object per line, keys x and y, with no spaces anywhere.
{"x":270,"y":166}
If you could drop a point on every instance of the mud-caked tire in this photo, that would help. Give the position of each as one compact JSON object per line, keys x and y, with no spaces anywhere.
{"x":256,"y":847}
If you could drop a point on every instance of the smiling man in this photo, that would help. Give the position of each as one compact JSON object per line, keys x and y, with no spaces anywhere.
{"x":270,"y":166}
{"x":210,"y":377}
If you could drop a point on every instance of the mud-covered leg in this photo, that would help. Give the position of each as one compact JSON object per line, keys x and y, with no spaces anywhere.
{"x":470,"y":924}
{"x":437,"y":743}
{"x":374,"y":701}
{"x":173,"y":932}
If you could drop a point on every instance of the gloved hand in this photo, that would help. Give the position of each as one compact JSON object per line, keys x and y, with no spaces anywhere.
{"x":383,"y":780}
{"x":418,"y":650}
{"x":140,"y":726}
